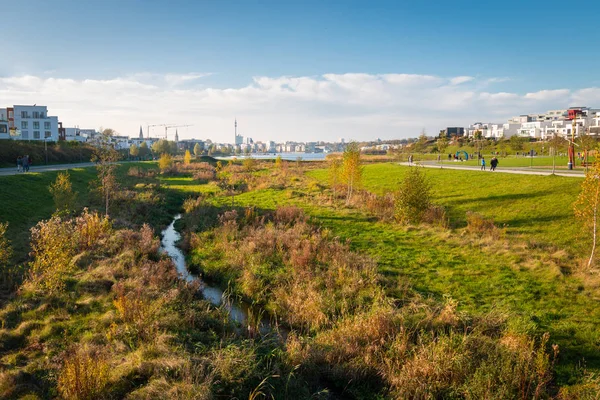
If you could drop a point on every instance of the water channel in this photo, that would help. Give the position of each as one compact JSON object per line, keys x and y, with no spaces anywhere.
{"x":238,"y":310}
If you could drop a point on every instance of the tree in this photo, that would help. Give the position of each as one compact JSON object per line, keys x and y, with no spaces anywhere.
{"x":197,"y":149}
{"x":62,"y":193}
{"x":173,"y":148}
{"x":105,"y":157}
{"x":421,"y":143}
{"x":187,"y":158}
{"x":587,"y":204}
{"x":351,"y":169}
{"x":586,"y":143}
{"x":555,"y":143}
{"x":442,"y":144}
{"x":278,"y":162}
{"x":335,"y":168}
{"x":162,"y":146}
{"x":249,"y":164}
{"x":165,"y":162}
{"x":413,"y":198}
{"x":134,"y":151}
{"x":143,"y":150}
{"x":517,"y":143}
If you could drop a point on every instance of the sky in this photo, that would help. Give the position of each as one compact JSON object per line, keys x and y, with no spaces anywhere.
{"x":297,"y":70}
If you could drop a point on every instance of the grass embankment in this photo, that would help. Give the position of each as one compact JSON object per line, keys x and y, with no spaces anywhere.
{"x":58,"y":153}
{"x":530,"y":272}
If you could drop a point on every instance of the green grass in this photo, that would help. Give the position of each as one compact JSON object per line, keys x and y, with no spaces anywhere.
{"x":535,"y":210}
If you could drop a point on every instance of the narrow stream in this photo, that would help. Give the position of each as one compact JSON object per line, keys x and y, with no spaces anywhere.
{"x":238,"y":311}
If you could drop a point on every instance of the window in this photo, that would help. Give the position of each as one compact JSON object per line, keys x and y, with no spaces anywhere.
{"x":46,"y":125}
{"x":24,"y":114}
{"x":42,"y":115}
{"x":10,"y":114}
{"x":23,"y":124}
{"x":47,"y":134}
{"x":36,"y":124}
{"x":25,"y":134}
{"x":36,"y":134}
{"x":36,"y":114}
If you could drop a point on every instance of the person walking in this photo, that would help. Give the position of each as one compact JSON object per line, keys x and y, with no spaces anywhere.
{"x":493,"y":164}
{"x":25,"y":163}
{"x":410,"y":159}
{"x":482,"y":164}
{"x":19,"y":164}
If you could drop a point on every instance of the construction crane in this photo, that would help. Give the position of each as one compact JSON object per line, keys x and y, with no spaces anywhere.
{"x":167,"y":127}
{"x":149,"y":126}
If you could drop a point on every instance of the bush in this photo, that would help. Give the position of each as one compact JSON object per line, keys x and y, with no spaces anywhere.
{"x":165,"y":163}
{"x":84,"y":374}
{"x":413,"y":198}
{"x":52,"y":248}
{"x":479,"y":225}
{"x":62,"y":193}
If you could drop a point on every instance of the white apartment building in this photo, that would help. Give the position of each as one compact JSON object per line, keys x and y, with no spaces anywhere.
{"x":74,"y":134}
{"x":32,"y":123}
{"x":4,"y":124}
{"x":502,"y":131}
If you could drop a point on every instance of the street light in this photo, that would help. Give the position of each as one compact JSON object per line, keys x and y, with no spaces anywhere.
{"x":46,"y":147}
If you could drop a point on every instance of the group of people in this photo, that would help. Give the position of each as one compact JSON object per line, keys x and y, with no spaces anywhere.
{"x":23,"y":163}
{"x":493,"y":163}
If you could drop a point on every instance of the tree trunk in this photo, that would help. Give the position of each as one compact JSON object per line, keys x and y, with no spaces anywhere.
{"x":553,"y":160}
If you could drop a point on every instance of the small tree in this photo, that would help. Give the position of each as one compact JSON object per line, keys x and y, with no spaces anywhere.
{"x":105,"y":157}
{"x":143,"y":150}
{"x":134,"y":151}
{"x":413,"y":198}
{"x":63,"y":194}
{"x":586,"y":143}
{"x":187,"y":158}
{"x":587,"y":204}
{"x":197,"y":149}
{"x":555,"y":143}
{"x":351,"y":169}
{"x":442,"y":144}
{"x":165,"y":162}
{"x":335,"y":168}
{"x":278,"y":162}
{"x":249,"y":164}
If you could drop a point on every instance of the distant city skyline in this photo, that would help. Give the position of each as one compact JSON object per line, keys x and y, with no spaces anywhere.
{"x":304,"y":71}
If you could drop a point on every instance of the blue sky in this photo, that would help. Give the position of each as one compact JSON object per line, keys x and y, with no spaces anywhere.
{"x":214,"y":52}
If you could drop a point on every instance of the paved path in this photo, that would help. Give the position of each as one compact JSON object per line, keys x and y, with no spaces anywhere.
{"x":44,"y":168}
{"x":514,"y":170}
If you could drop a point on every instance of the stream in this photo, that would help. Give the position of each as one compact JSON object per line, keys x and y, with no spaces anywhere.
{"x":238,"y":310}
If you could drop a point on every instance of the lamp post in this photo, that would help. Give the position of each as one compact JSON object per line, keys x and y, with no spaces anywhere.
{"x":46,"y":148}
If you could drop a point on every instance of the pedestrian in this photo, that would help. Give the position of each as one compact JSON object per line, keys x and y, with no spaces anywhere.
{"x":26,"y":163}
{"x":410,"y":159}
{"x":482,"y":164}
{"x":449,"y":156}
{"x":19,"y":164}
{"x":493,"y":164}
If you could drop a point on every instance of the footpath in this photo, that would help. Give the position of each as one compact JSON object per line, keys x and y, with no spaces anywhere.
{"x":507,"y":170}
{"x":44,"y":168}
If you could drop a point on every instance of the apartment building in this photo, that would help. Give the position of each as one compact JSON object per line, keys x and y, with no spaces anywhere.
{"x":4,"y":124}
{"x":31,"y":123}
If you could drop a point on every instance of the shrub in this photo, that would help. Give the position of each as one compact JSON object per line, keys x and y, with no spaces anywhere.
{"x":84,"y":374}
{"x":90,"y":229}
{"x":479,"y":225}
{"x":52,"y":248}
{"x":165,"y":163}
{"x":187,"y":158}
{"x":413,"y":198}
{"x":436,"y":215}
{"x":62,"y":193}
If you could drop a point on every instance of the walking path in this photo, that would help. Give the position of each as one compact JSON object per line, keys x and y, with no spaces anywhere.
{"x":511,"y":170}
{"x":45,"y":168}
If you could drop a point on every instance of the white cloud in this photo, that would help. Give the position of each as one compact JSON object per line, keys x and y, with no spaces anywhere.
{"x":353,"y":105}
{"x":460,"y":79}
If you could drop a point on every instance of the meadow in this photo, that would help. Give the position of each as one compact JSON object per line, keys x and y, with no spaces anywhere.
{"x":277,"y":236}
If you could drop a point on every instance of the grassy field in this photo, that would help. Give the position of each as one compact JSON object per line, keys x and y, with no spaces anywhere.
{"x":529,"y":272}
{"x":532,"y":277}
